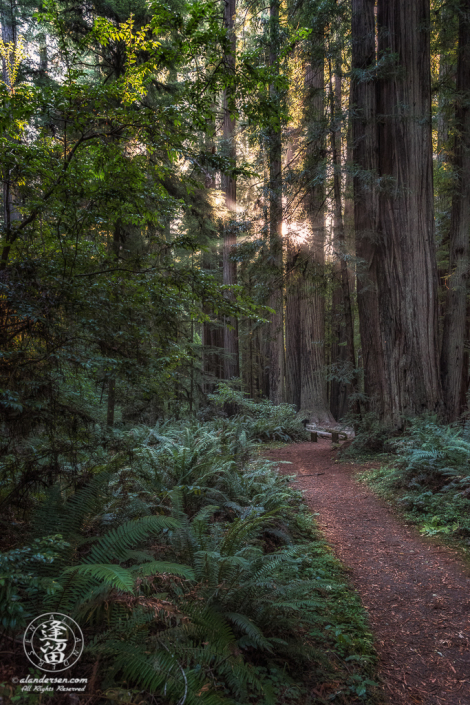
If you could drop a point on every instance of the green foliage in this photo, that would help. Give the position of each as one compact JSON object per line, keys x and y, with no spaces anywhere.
{"x":262,"y":420}
{"x":372,"y":437}
{"x":98,"y":286}
{"x":435,"y":455}
{"x":196,"y":572}
{"x":430,"y":477}
{"x":21,"y":582}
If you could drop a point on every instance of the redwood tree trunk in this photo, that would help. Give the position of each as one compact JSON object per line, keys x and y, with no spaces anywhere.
{"x":229,"y":187}
{"x":365,"y":157}
{"x":453,"y":339}
{"x":212,"y":331}
{"x":311,"y":264}
{"x":276,"y":327}
{"x":406,"y":262}
{"x":212,"y":334}
{"x":342,"y":352}
{"x":293,"y":328}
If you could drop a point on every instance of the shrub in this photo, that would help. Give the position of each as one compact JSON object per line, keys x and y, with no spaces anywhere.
{"x":430,"y":476}
{"x":262,"y":420}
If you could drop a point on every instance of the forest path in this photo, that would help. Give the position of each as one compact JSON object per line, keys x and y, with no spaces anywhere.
{"x":417,"y":593}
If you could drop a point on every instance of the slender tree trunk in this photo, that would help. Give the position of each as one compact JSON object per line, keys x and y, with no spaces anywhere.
{"x":115,"y":246}
{"x":213,"y":364}
{"x":292,"y":305}
{"x":311,"y":257}
{"x":338,"y":354}
{"x":343,"y":347}
{"x":111,"y":402}
{"x":448,"y":37}
{"x":229,"y":187}
{"x":212,"y":332}
{"x":276,"y":327}
{"x":407,"y":272}
{"x":263,"y":367}
{"x":212,"y":335}
{"x":348,"y":217}
{"x":453,"y":339}
{"x":364,"y":137}
{"x":293,"y":327}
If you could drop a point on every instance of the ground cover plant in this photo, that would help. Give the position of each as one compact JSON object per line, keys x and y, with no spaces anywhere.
{"x":197,"y":574}
{"x":427,"y":474}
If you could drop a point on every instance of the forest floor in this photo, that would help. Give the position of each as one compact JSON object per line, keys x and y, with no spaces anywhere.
{"x":417,"y":592}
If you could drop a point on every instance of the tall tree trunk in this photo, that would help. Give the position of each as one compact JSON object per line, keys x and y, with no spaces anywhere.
{"x":342,"y":353}
{"x":276,"y":327}
{"x":212,"y":331}
{"x":348,"y":217}
{"x":115,"y":246}
{"x":229,"y":187}
{"x":452,"y":356}
{"x":111,"y":405}
{"x":448,"y":37}
{"x":213,"y":342}
{"x":293,"y":327}
{"x":407,"y":272}
{"x":364,"y":137}
{"x":311,"y":257}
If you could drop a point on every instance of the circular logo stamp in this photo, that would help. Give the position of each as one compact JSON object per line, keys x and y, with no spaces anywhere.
{"x":53,"y":642}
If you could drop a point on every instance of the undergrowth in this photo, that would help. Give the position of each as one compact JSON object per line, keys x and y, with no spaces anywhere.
{"x":196,"y":573}
{"x":429,"y":478}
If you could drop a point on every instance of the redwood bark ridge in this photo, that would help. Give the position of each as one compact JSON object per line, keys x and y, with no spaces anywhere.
{"x":406,"y":262}
{"x":365,"y":157}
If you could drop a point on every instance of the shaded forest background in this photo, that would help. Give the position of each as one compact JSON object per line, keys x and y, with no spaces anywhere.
{"x":276,"y":197}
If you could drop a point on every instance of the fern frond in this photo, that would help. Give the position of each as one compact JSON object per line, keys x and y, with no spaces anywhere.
{"x":113,"y":575}
{"x":115,"y":543}
{"x":250,"y":629}
{"x":155,"y":567}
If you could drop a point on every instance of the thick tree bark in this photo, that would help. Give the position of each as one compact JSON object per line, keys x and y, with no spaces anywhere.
{"x":407,"y":272}
{"x":229,"y":187}
{"x":365,"y":157}
{"x":276,"y":326}
{"x":453,"y":339}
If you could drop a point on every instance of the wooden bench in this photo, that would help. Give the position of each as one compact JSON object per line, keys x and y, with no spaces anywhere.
{"x":336,"y":436}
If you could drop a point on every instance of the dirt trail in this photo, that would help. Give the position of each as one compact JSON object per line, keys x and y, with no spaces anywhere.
{"x":416,"y":593}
